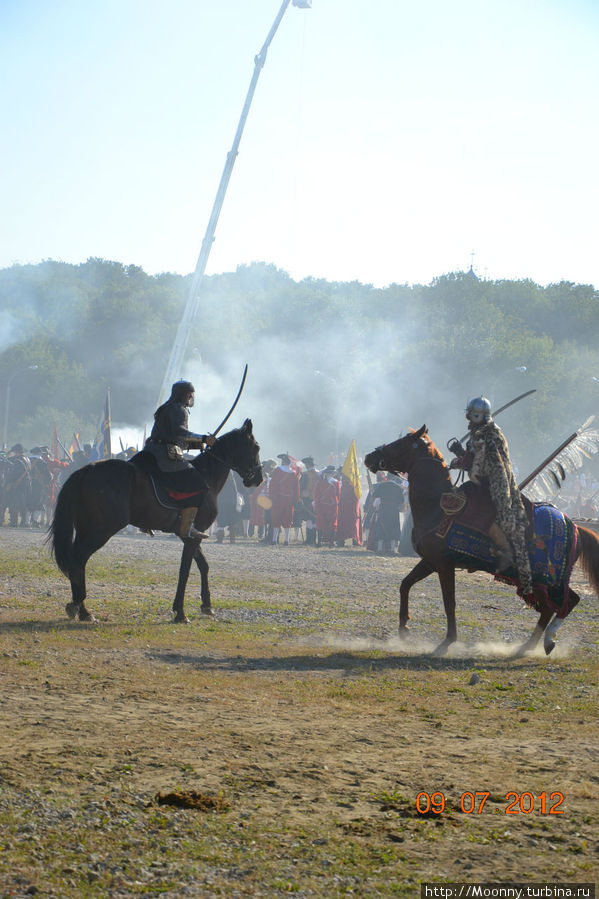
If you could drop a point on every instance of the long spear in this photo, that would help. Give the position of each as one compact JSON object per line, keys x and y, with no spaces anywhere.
{"x":65,"y":450}
{"x":549,"y":459}
{"x":586,"y":445}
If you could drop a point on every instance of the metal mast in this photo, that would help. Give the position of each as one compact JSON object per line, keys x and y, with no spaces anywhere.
{"x":175,"y":364}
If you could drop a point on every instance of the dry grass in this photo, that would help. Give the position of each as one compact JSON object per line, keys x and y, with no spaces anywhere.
{"x":297,"y":722}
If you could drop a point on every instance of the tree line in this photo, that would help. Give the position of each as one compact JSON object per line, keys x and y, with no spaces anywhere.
{"x":330,"y":360}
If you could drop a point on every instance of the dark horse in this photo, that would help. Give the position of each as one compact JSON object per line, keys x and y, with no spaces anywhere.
{"x":100,"y":499}
{"x":429,"y":478}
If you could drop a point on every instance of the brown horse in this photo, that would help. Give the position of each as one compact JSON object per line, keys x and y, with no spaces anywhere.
{"x":100,"y":499}
{"x":429,"y":477}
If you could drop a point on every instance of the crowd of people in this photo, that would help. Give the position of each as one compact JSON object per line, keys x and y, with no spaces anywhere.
{"x":30,"y":481}
{"x":300,"y":503}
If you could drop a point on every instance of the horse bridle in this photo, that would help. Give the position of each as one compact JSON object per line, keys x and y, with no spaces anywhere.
{"x":417,"y":444}
{"x":247,"y":476}
{"x":381,"y":466}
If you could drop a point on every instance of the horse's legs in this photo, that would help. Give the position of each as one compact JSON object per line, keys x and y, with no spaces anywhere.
{"x":447,"y":580}
{"x":549,"y":639}
{"x":531,"y":643}
{"x":190,"y":547}
{"x":203,"y":566}
{"x":418,"y":573}
{"x":83,"y":549}
{"x":546,"y":630}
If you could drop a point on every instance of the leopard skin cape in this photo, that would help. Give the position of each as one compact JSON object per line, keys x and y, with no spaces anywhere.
{"x":492,"y":461}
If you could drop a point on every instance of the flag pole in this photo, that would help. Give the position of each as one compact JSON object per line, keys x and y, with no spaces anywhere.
{"x":107,"y":441}
{"x":175,"y":364}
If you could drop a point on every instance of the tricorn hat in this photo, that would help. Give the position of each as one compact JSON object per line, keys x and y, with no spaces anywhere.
{"x":17,"y":448}
{"x":284,"y":457}
{"x":309,"y":461}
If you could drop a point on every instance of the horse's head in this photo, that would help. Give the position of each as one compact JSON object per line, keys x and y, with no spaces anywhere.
{"x":245,"y":455}
{"x":398,"y":456}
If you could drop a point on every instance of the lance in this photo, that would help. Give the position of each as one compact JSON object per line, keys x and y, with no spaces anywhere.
{"x":230,"y":412}
{"x":549,"y":459}
{"x":65,"y":450}
{"x":556,"y":452}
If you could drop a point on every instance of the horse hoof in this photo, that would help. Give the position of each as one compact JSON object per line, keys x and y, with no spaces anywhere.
{"x":207,"y":612}
{"x":72,"y":610}
{"x":442,"y":648}
{"x":181,"y":618}
{"x":549,"y":647}
{"x":84,"y":615}
{"x":404,"y":632}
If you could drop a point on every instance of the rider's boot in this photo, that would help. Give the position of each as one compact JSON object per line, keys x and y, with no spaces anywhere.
{"x":505,"y":553}
{"x":186,"y":528}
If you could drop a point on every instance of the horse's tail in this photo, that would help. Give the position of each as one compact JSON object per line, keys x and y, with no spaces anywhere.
{"x":61,"y":530}
{"x":589,"y":556}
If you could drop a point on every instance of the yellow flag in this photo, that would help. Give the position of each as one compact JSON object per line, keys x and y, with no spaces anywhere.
{"x":350,"y":469}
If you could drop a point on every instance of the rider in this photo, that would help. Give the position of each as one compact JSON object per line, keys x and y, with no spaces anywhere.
{"x":488,"y":462}
{"x":170,"y":437}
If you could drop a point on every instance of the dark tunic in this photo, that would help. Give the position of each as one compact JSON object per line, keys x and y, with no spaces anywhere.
{"x":171,"y":429}
{"x":228,"y":512}
{"x":391,"y":495}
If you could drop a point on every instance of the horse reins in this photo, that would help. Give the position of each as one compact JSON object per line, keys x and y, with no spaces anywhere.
{"x":246,"y":477}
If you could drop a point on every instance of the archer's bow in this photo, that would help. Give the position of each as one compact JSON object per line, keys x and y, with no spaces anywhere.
{"x":230,"y":412}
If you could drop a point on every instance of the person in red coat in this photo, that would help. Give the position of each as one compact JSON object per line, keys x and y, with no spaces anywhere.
{"x":348,"y":524}
{"x":326,"y":505}
{"x":284,"y":494}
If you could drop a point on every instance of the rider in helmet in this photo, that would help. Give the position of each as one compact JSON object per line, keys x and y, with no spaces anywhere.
{"x":170,"y":437}
{"x":488,"y":461}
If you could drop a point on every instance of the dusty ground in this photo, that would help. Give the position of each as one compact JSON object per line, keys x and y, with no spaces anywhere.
{"x":297,"y":713}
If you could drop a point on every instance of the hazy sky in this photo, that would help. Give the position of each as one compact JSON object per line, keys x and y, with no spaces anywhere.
{"x":387,"y":139}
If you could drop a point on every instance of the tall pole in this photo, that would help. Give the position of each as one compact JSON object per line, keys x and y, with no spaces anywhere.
{"x":175,"y":363}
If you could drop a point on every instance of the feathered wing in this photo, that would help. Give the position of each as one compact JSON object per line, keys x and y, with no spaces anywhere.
{"x":584,"y":444}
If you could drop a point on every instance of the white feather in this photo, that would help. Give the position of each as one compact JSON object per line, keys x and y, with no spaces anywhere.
{"x":573,"y":457}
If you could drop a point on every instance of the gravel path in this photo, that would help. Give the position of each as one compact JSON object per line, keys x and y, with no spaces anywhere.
{"x":326,"y":596}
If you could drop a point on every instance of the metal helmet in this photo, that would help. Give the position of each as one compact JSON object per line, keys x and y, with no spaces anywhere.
{"x":478,"y":410}
{"x":180,"y":390}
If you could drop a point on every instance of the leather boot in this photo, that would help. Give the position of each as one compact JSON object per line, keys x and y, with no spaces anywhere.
{"x":186,"y":528}
{"x":505,"y":554}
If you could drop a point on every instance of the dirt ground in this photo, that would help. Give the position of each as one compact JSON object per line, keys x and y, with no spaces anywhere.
{"x":298,"y":717}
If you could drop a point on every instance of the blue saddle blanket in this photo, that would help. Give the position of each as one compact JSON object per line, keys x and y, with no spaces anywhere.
{"x":551,"y":549}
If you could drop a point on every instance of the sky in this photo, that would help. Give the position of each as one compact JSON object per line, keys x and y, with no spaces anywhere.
{"x":387,"y":141}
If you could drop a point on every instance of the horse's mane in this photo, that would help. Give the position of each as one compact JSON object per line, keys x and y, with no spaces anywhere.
{"x":432,"y":450}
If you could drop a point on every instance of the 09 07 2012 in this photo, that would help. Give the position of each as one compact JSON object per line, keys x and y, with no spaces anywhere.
{"x":474,"y":802}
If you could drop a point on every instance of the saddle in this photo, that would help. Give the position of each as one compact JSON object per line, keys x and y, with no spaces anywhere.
{"x":171,"y":488}
{"x":551,"y":539}
{"x":471,"y":505}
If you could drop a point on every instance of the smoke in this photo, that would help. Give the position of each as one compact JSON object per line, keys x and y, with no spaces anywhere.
{"x":10,"y":330}
{"x":483,"y":649}
{"x":313,"y":393}
{"x":328,"y":362}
